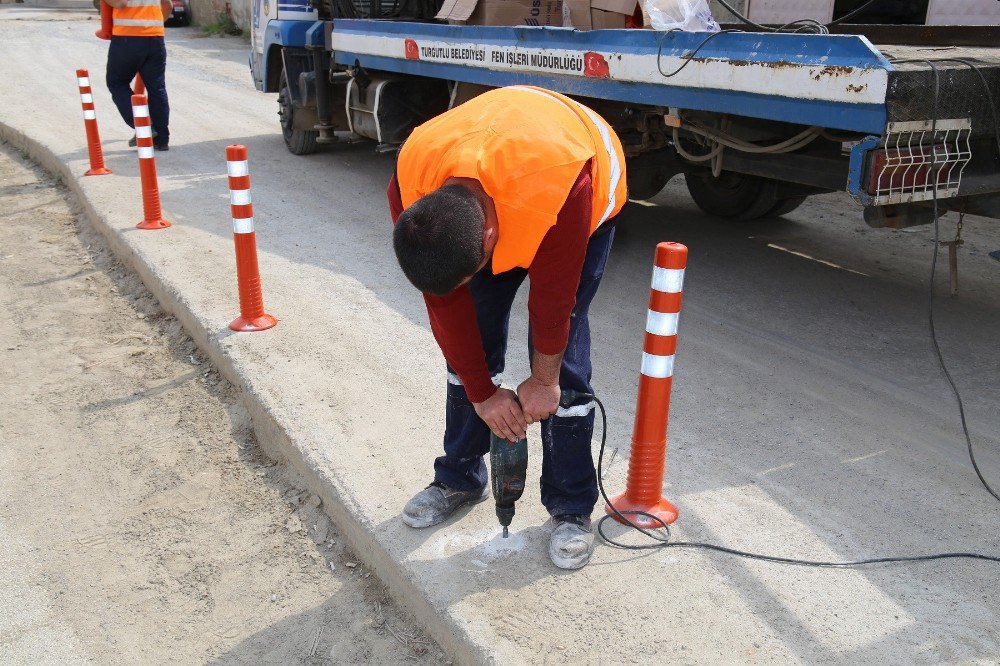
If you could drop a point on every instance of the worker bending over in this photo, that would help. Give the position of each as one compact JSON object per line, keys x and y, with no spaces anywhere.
{"x":518,"y":182}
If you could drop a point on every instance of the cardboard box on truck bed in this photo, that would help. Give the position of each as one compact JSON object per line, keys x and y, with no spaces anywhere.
{"x":502,"y":12}
{"x":597,"y":14}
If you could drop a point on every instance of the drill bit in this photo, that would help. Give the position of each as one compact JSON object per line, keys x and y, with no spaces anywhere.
{"x":505,"y":532}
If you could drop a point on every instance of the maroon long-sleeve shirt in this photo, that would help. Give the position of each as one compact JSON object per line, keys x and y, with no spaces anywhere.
{"x":554,"y":274}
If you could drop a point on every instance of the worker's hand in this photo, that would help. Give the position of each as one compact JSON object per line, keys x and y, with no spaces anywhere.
{"x":502,"y":414}
{"x":538,"y":399}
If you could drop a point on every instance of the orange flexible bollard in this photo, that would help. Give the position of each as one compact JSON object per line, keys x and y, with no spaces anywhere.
{"x":643,"y":490}
{"x":97,"y":167}
{"x":107,"y":21}
{"x":152,"y":214}
{"x":252,"y":316}
{"x":139,"y":87}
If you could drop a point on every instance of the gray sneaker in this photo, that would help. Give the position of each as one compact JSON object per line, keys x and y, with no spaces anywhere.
{"x":436,"y":502}
{"x":572,"y":541}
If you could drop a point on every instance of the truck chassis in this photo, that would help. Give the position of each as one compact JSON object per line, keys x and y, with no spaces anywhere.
{"x":756,"y":121}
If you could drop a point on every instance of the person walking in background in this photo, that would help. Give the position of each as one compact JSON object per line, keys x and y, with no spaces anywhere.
{"x":137,"y":47}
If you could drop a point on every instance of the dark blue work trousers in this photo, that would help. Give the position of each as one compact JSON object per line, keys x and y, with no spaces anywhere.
{"x":146,"y":56}
{"x":568,"y":481}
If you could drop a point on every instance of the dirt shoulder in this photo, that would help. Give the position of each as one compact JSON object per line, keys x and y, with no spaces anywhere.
{"x":139,"y":521}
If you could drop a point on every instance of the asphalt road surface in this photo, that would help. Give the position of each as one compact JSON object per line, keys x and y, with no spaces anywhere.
{"x":806,"y":386}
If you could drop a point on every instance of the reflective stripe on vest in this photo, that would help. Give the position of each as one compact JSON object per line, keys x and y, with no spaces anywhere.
{"x":140,"y":18}
{"x":152,"y":22}
{"x":616,"y":167}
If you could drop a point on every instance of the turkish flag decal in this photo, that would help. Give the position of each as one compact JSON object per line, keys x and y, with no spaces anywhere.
{"x":595,"y":65}
{"x":413,"y":52}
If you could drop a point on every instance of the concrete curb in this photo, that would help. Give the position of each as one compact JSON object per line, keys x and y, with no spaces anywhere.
{"x":274,"y":436}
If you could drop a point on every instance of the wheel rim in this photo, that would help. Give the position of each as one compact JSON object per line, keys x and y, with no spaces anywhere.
{"x":727,"y":183}
{"x":285,"y":111}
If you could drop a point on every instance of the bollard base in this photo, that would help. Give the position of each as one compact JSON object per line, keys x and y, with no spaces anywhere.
{"x":153,"y":224}
{"x":249,"y":324}
{"x":103,"y":171}
{"x":662,"y":509}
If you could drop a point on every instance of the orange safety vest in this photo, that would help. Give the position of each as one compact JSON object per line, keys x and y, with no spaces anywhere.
{"x":526,"y":146}
{"x":140,"y":18}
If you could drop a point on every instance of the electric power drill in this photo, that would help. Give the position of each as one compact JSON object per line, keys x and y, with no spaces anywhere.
{"x":509,"y":469}
{"x":508,"y":472}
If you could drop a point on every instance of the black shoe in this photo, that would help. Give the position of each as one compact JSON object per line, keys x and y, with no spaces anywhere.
{"x":161,"y":146}
{"x":134,"y":140}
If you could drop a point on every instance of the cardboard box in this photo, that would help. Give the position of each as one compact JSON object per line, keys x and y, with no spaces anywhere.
{"x":597,"y":14}
{"x":502,"y":12}
{"x":780,"y":12}
{"x":963,"y":12}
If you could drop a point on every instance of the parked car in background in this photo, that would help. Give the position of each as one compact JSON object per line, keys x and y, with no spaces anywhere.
{"x":181,"y":15}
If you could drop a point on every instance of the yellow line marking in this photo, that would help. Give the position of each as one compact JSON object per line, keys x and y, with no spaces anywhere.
{"x":816,"y":259}
{"x":779,"y":468}
{"x":865,"y":457}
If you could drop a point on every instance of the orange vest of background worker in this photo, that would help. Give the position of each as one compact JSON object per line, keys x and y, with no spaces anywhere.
{"x":138,"y":18}
{"x":137,"y":47}
{"x":518,"y":182}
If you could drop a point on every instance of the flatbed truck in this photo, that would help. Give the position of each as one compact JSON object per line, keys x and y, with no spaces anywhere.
{"x":756,"y":121}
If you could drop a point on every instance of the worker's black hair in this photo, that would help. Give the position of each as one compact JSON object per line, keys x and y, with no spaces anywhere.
{"x":439,"y":239}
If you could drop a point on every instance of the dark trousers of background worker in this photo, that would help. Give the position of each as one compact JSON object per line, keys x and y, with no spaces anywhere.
{"x":568,"y":482}
{"x":146,"y":56}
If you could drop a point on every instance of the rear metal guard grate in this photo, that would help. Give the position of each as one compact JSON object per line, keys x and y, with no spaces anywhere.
{"x":912,"y":149}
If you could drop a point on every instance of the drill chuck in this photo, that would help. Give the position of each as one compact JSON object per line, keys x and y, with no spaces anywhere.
{"x":505,"y":513}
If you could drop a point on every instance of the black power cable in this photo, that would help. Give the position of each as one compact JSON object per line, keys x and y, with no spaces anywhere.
{"x":848,"y":16}
{"x":688,"y":57}
{"x":982,"y":78}
{"x":802,"y":25}
{"x":662,"y":539}
{"x":937,"y":236}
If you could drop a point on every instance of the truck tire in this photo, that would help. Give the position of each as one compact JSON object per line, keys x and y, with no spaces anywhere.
{"x":785,"y":206}
{"x":299,"y":142}
{"x":648,"y":173}
{"x":735,"y":196}
{"x":645,"y":183}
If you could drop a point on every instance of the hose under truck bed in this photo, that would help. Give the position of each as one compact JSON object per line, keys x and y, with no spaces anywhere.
{"x":840,"y":83}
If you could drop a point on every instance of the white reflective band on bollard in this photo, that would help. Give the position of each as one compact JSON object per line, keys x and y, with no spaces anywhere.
{"x":669,"y":280}
{"x":657,"y":367}
{"x":89,"y":114}
{"x":140,"y":111}
{"x":84,"y":81}
{"x":86,"y":98}
{"x":144,"y":132}
{"x":237,"y":169}
{"x":661,"y":323}
{"x":145,"y":152}
{"x":242,"y":225}
{"x":239,"y":197}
